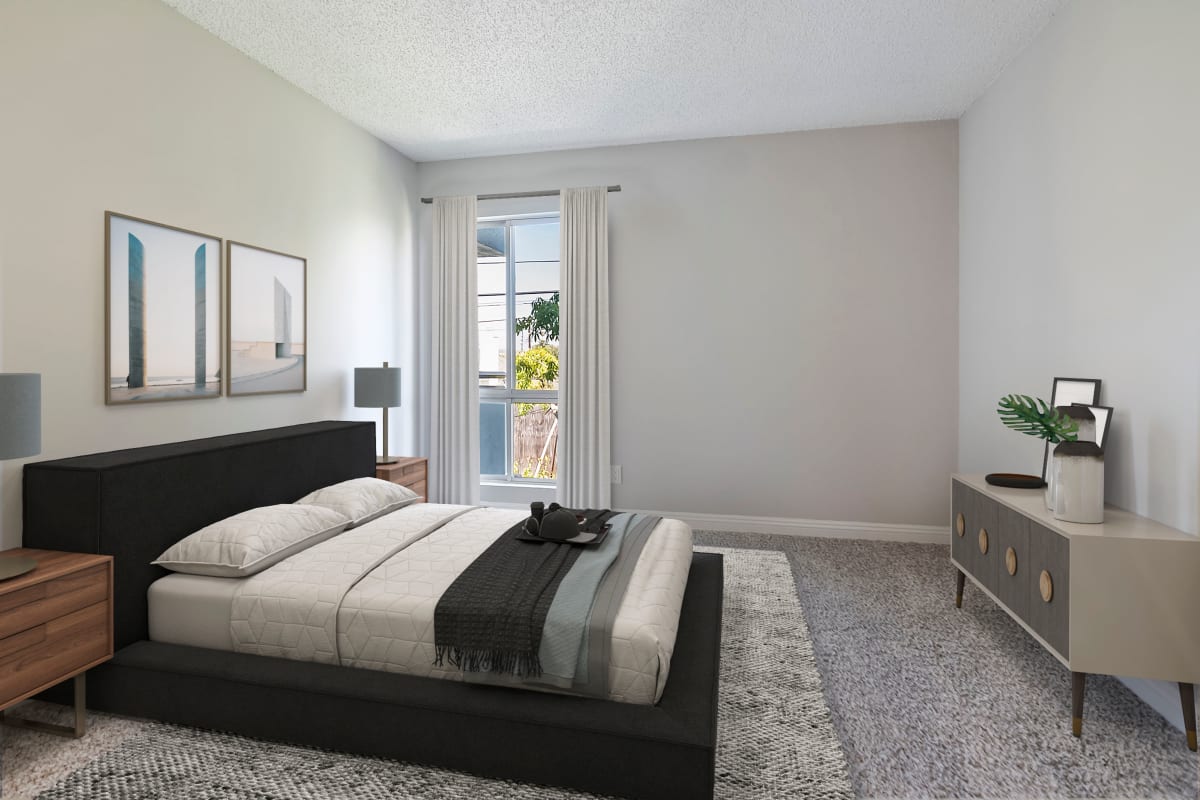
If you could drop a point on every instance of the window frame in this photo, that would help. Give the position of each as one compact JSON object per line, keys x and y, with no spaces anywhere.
{"x":509,"y":395}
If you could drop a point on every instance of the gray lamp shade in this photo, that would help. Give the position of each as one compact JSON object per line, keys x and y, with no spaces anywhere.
{"x":20,"y":414}
{"x":376,"y":387}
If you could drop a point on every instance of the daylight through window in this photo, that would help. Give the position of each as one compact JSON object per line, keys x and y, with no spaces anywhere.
{"x":518,"y":348}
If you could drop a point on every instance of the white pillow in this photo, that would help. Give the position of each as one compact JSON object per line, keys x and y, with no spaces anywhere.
{"x":251,"y":541}
{"x":362,"y":499}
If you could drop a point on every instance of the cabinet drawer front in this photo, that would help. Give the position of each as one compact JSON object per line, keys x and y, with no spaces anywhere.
{"x":962,"y":515}
{"x":11,"y":645}
{"x":414,"y":471}
{"x":419,"y":487}
{"x":31,"y":607}
{"x":71,"y":642}
{"x":1050,"y":553}
{"x":1012,"y":560}
{"x":983,"y":539}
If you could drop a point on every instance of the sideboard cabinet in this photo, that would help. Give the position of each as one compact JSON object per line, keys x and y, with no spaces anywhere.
{"x":1120,"y":597}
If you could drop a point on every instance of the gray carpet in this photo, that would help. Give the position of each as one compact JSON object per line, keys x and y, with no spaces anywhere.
{"x":776,"y":735}
{"x":930,"y":701}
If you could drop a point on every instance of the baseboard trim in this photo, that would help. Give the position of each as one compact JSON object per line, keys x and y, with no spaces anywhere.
{"x":788,"y":526}
{"x":825,"y":528}
{"x":1162,"y":696}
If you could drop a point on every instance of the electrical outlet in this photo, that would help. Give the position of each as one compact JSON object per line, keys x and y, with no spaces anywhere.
{"x":616,"y":474}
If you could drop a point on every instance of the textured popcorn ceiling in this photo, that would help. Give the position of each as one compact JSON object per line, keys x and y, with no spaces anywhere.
{"x":453,"y":78}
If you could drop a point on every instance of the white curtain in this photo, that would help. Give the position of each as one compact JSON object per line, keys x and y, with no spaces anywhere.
{"x":584,"y":457}
{"x":454,"y":416}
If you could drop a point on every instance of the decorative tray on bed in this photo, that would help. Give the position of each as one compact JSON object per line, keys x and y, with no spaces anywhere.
{"x":582,"y":539}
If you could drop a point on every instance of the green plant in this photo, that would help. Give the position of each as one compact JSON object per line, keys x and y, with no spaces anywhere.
{"x":542,"y":322}
{"x":1035,"y":417}
{"x":537,"y":368}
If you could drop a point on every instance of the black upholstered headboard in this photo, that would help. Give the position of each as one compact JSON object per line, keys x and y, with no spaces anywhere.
{"x":133,"y":504}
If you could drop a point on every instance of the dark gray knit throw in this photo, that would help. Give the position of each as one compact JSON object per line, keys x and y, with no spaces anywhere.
{"x":491,"y":618}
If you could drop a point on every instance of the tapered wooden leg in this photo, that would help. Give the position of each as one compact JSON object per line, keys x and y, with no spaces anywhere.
{"x":960,"y":581}
{"x":1187,"y":696}
{"x":1078,"y":680}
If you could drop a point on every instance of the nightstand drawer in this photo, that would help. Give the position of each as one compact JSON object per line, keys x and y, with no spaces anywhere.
{"x":409,"y":471}
{"x":68,"y":644}
{"x":10,"y":645}
{"x":28,"y":608}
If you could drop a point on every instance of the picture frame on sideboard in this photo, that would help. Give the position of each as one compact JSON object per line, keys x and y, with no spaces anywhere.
{"x":1067,"y":392}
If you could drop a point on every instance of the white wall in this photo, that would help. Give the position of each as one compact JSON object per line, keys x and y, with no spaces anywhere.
{"x":127,"y":106}
{"x":784,"y":330}
{"x":1080,"y":229}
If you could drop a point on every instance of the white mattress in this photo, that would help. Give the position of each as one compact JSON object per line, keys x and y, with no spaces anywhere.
{"x":192,"y":610}
{"x":366,"y":598}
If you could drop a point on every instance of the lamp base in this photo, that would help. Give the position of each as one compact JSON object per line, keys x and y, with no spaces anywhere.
{"x":13,"y":566}
{"x":381,"y":460}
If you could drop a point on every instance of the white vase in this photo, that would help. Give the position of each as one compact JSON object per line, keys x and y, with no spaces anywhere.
{"x":1050,"y":483}
{"x":1085,"y":422}
{"x":1079,"y":482}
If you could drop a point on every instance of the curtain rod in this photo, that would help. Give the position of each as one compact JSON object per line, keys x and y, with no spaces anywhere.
{"x":509,"y":195}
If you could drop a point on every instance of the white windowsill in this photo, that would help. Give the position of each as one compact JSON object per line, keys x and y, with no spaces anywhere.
{"x":515,"y":494}
{"x":523,"y":484}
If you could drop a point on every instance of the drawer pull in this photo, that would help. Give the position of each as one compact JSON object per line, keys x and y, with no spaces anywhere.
{"x":1046,"y":585}
{"x":1010,"y":561}
{"x":960,"y":524}
{"x":983,"y":543}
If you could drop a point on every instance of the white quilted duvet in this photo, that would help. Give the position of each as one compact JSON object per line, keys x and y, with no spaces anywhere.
{"x":366,"y":598}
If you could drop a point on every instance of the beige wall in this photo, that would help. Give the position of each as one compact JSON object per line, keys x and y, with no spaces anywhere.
{"x":1080,"y":229}
{"x":784,"y":316}
{"x":125,"y":105}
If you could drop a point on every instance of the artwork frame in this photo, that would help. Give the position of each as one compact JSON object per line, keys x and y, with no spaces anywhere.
{"x":258,"y":342}
{"x":132,"y":246}
{"x":1103,"y":415}
{"x":1069,"y":392}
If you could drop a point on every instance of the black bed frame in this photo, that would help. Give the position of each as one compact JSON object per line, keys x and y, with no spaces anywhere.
{"x":133,"y":504}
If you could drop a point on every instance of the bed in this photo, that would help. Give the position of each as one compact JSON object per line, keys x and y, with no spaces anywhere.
{"x":132,"y":504}
{"x":345,"y":601}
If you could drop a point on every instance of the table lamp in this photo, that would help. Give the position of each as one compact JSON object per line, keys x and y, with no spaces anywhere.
{"x":20,"y":436}
{"x":378,"y":387}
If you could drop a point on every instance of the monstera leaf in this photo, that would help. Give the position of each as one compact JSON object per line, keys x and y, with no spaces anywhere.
{"x":1035,"y":417}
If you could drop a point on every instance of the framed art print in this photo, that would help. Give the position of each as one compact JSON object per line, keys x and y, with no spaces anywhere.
{"x":162,"y":312}
{"x":267,"y":321}
{"x":1069,"y":391}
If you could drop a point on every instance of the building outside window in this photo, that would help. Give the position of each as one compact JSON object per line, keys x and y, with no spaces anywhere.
{"x":518,"y":348}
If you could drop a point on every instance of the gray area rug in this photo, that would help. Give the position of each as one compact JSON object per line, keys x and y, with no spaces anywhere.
{"x":930,"y":701}
{"x":776,"y":736}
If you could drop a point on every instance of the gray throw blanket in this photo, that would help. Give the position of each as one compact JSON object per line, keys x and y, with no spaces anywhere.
{"x":491,"y":618}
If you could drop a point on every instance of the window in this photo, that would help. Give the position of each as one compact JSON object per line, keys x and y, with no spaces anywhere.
{"x":518,"y":349}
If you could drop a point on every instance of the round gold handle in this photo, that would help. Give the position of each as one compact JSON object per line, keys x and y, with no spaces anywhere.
{"x":1010,"y":561}
{"x":983,"y":540}
{"x":960,"y":524}
{"x":1046,"y":584}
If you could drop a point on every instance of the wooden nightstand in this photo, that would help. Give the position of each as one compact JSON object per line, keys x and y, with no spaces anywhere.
{"x":410,"y":471}
{"x":55,"y":623}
